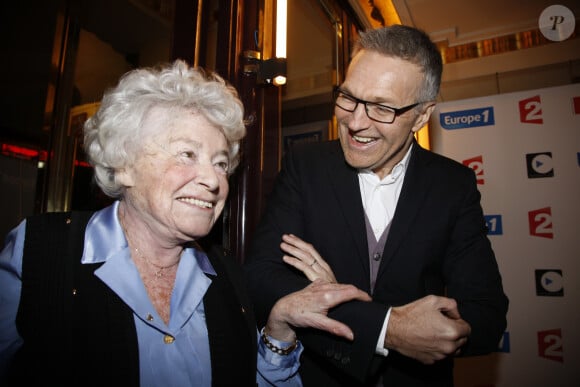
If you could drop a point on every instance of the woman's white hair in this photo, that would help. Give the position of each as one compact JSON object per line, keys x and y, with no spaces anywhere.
{"x":114,"y":136}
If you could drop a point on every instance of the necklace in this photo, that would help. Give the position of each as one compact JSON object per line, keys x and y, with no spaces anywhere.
{"x":157,"y":279}
{"x":158,"y":268}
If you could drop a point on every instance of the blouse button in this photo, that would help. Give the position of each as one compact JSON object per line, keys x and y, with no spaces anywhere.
{"x":168,"y":339}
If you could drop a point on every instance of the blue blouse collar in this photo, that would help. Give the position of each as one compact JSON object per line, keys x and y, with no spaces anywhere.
{"x":104,"y":238}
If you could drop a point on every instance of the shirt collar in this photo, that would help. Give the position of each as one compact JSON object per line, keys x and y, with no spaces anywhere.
{"x":104,"y":238}
{"x":396,"y":172}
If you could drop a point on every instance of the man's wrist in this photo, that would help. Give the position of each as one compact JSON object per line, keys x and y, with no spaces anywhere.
{"x":382,"y":342}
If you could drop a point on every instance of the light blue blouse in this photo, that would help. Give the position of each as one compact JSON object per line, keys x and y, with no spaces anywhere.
{"x":181,"y":361}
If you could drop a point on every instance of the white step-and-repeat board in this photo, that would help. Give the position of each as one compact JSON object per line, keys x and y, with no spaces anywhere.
{"x":525,"y":150}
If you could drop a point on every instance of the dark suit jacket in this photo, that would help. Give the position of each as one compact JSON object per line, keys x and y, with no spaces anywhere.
{"x":437,"y":245}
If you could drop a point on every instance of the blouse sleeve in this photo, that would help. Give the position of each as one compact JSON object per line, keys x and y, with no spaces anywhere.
{"x":278,"y":370}
{"x":10,"y":285}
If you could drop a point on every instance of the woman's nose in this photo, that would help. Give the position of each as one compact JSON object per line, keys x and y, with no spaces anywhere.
{"x":207,"y":176}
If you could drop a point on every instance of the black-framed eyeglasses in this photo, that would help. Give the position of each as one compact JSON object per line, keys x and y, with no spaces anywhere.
{"x":375,"y":111}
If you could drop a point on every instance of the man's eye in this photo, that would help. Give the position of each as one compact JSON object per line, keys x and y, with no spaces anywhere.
{"x":347,"y":98}
{"x":381,"y":109}
{"x":187,"y":154}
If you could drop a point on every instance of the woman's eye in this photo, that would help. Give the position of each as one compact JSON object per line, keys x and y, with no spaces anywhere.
{"x":187,"y":154}
{"x":223,"y":165}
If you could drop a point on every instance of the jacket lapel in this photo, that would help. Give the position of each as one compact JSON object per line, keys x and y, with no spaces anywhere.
{"x":412,"y":195}
{"x":344,"y":181}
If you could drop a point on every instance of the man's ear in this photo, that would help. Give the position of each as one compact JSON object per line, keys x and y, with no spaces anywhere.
{"x":125,"y":177}
{"x":423,"y":118}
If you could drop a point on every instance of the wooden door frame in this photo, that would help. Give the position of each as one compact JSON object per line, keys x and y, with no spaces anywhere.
{"x":239,"y":22}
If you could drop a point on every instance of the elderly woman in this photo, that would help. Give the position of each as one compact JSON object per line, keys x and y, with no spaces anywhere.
{"x":125,"y":296}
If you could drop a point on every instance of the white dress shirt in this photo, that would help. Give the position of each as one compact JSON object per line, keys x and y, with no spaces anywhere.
{"x":380,"y":199}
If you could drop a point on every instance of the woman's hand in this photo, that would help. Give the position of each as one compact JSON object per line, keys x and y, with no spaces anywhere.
{"x":304,"y":257}
{"x":309,"y":308}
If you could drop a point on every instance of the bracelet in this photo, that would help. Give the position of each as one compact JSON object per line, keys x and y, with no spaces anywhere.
{"x":276,"y":349}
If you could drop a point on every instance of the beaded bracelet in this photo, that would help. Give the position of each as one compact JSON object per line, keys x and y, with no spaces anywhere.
{"x":276,"y":349}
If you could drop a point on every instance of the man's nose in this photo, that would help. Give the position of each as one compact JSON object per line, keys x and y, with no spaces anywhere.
{"x":359,"y":118}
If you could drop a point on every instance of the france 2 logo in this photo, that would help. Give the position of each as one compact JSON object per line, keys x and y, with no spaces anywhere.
{"x":541,"y":223}
{"x":476,"y":163}
{"x":576,"y":104}
{"x":531,"y":110}
{"x":550,"y":345}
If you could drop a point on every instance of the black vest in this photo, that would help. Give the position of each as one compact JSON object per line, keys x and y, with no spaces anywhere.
{"x":77,"y":332}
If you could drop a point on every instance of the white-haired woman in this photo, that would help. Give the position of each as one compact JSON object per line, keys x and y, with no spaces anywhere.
{"x":125,"y":296}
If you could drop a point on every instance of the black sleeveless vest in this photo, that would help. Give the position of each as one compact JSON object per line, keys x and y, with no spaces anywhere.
{"x":77,"y":332}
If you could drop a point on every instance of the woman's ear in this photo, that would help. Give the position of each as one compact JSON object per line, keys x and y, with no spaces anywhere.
{"x":125,"y":177}
{"x":423,"y":117}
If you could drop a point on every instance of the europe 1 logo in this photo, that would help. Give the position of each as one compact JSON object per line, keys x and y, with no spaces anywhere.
{"x":493,"y":224}
{"x":504,"y":343}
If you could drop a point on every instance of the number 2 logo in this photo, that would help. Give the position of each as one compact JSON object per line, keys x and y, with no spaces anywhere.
{"x":476,"y":163}
{"x":541,"y":223}
{"x":531,"y":110}
{"x":550,"y":345}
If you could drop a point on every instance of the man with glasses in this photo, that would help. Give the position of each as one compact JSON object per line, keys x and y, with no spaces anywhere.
{"x":376,"y":210}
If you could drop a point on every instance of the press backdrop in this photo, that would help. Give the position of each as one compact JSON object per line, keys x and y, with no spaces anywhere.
{"x":525,"y":150}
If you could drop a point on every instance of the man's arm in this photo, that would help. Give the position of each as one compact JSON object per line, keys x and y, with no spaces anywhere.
{"x":474,"y":280}
{"x":427,"y":330}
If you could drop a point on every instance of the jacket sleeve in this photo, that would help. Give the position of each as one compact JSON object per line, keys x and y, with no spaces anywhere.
{"x":473,"y":277}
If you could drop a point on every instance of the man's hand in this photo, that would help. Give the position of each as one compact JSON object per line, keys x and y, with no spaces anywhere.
{"x":427,"y":330}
